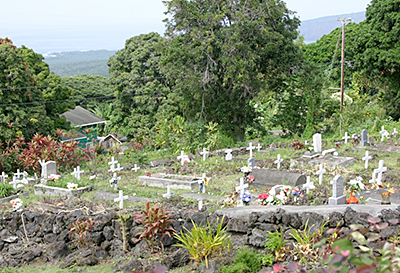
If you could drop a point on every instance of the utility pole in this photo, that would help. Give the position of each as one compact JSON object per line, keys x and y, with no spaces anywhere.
{"x":344,"y":21}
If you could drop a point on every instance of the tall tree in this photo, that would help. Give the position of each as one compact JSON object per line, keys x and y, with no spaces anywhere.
{"x":222,"y":53}
{"x":143,"y":93}
{"x":378,"y":51}
{"x":22,"y":77}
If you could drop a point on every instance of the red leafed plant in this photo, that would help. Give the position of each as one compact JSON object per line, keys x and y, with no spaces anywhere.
{"x":79,"y":231}
{"x":155,"y":221}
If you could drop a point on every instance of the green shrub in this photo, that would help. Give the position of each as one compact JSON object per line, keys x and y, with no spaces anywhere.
{"x":6,"y":190}
{"x":246,"y":261}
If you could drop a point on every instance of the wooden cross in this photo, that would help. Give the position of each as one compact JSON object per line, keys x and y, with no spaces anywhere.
{"x":112,"y":164}
{"x":77,"y":172}
{"x":136,"y":168}
{"x":121,"y":199}
{"x":182,"y":158}
{"x":250,"y":148}
{"x":346,"y":137}
{"x":204,"y":154}
{"x":278,"y":162}
{"x":169,"y":193}
{"x":366,"y":158}
{"x":380,"y":171}
{"x":321,"y":173}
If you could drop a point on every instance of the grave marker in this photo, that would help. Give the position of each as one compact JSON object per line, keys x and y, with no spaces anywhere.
{"x":328,"y":151}
{"x":200,"y":204}
{"x":241,"y":188}
{"x":259,"y":147}
{"x":228,"y":154}
{"x":114,"y":180}
{"x":18,"y":174}
{"x":251,"y":162}
{"x":181,"y":157}
{"x":337,"y":192}
{"x":3,"y":177}
{"x":317,"y":143}
{"x":118,"y":168}
{"x":346,"y":137}
{"x":372,"y":181}
{"x":394,"y":133}
{"x":204,"y":153}
{"x":380,"y":171}
{"x":169,"y":193}
{"x":364,"y":138}
{"x":278,"y":162}
{"x":309,"y":185}
{"x":321,"y":173}
{"x":121,"y":199}
{"x":136,"y":168}
{"x":77,"y":172}
{"x":250,"y":148}
{"x":366,"y":158}
{"x":48,"y":168}
{"x":383,"y":133}
{"x":15,"y":182}
{"x":112,"y":164}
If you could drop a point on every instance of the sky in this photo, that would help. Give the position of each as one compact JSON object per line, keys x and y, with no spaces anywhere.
{"x":69,"y":25}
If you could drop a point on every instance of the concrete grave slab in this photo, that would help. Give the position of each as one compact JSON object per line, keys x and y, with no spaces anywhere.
{"x":174,"y":181}
{"x":41,"y":189}
{"x":328,"y":160}
{"x":268,"y":178}
{"x":383,"y":148}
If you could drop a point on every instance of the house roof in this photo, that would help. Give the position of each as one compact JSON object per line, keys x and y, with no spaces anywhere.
{"x":81,"y":117}
{"x":102,"y":139}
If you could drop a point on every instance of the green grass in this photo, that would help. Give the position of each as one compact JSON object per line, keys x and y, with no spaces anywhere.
{"x":102,"y":268}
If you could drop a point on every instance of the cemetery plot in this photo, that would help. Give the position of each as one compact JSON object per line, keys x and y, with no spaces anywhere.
{"x":172,"y":180}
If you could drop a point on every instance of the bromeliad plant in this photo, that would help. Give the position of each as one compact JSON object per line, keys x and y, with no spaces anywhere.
{"x":203,"y":243}
{"x":156,"y":224}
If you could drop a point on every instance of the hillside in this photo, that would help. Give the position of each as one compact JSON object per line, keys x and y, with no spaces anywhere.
{"x":314,"y":29}
{"x":73,"y":63}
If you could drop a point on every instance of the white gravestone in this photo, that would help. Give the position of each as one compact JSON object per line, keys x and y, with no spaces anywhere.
{"x":121,"y":199}
{"x":228,"y":154}
{"x":169,"y":193}
{"x":204,"y":153}
{"x":309,"y":185}
{"x":278,"y":162}
{"x":259,"y":147}
{"x":380,"y":171}
{"x":200,"y":204}
{"x":136,"y":168}
{"x":317,"y":143}
{"x":321,"y":172}
{"x":114,"y":180}
{"x":364,"y":138}
{"x":112,"y":164}
{"x":77,"y":172}
{"x":241,"y":188}
{"x":250,"y":148}
{"x":346,"y":137}
{"x":366,"y":158}
{"x":182,"y":157}
{"x":49,"y":168}
{"x":337,"y":192}
{"x":3,"y":177}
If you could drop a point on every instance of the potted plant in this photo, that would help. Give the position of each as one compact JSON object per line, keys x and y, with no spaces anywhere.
{"x":355,"y":186}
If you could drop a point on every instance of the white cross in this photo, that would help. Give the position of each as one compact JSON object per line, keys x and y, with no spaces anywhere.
{"x":321,"y":173}
{"x":309,"y":185}
{"x":395,"y":132}
{"x":136,"y":168}
{"x":380,"y":171}
{"x":366,"y":159}
{"x":112,"y":164}
{"x":114,"y":180}
{"x":204,"y":154}
{"x":259,"y":147}
{"x":372,"y":181}
{"x":250,"y":148}
{"x":15,"y":182}
{"x":182,"y":157}
{"x":3,"y":177}
{"x":77,"y":172}
{"x":346,"y":137}
{"x":200,"y":204}
{"x":278,"y":162}
{"x":169,"y":193}
{"x":118,"y":168}
{"x":384,"y":133}
{"x":241,"y":188}
{"x":121,"y":199}
{"x":18,"y":174}
{"x":204,"y":179}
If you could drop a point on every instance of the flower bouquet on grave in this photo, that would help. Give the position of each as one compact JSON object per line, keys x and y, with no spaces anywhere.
{"x":246,"y":197}
{"x":386,"y":192}
{"x":54,"y":177}
{"x":72,"y":186}
{"x":265,"y":199}
{"x":355,"y":186}
{"x":16,"y":203}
